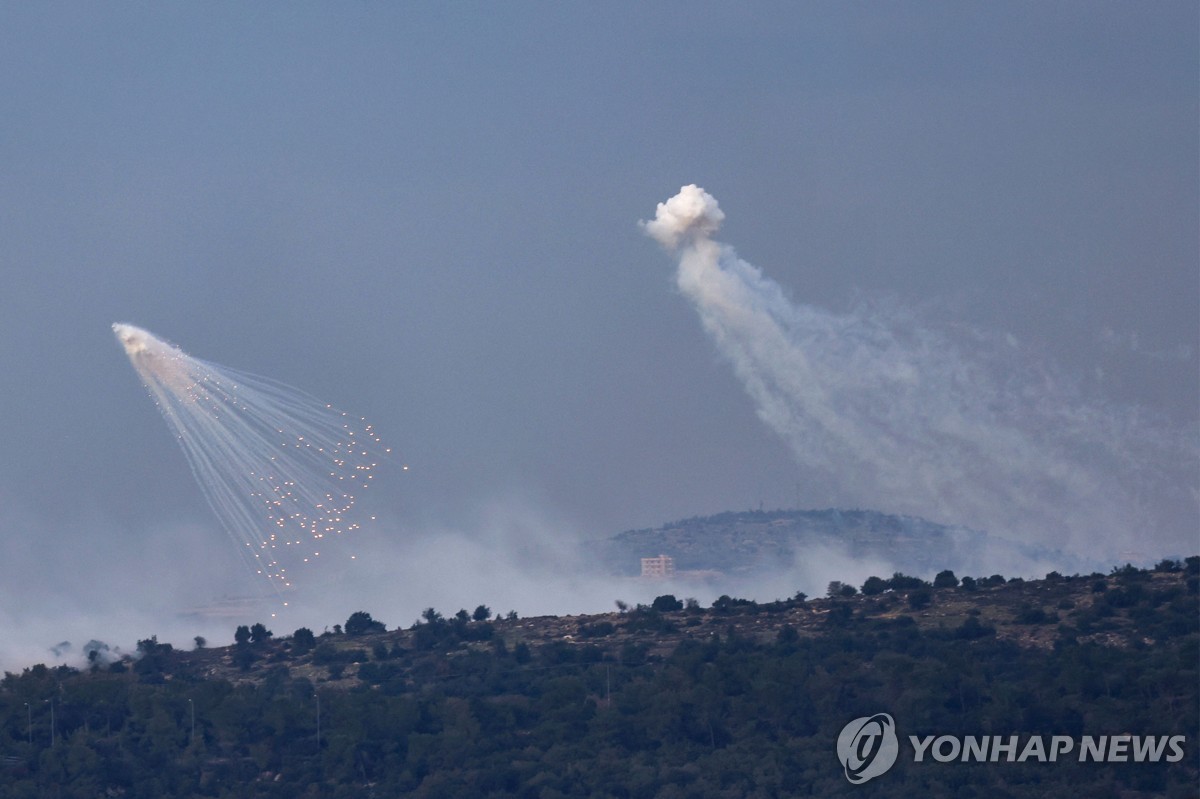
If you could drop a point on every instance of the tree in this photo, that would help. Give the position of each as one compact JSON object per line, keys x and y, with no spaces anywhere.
{"x":921,"y":598}
{"x":904,"y":582}
{"x":666,"y":603}
{"x":241,"y":636}
{"x":874,"y":585}
{"x":259,"y":634}
{"x":839,"y":615}
{"x":945,"y":579}
{"x":482,"y":613}
{"x":200,"y":641}
{"x":303,"y":640}
{"x":361,"y":623}
{"x":243,"y":657}
{"x":834,"y":589}
{"x":153,"y":659}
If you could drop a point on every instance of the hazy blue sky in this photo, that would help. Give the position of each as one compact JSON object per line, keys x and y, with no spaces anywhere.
{"x":427,"y":213}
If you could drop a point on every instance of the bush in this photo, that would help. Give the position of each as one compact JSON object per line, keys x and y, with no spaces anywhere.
{"x":600,"y":629}
{"x":874,"y":585}
{"x":726,"y":604}
{"x":945,"y":579}
{"x":666,"y":604}
{"x":303,"y":641}
{"x":361,"y":623}
{"x":1034,"y":614}
{"x":921,"y":598}
{"x":973,"y":628}
{"x":904,"y":582}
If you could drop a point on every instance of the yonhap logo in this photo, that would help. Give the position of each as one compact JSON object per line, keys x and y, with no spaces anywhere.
{"x":867,"y":747}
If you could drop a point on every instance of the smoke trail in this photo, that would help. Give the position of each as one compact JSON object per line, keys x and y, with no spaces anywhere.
{"x":279,"y":468}
{"x":886,"y":411}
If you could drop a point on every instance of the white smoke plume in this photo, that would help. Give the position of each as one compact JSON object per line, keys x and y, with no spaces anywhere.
{"x":884,"y":410}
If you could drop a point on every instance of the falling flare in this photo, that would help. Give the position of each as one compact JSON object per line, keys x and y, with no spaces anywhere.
{"x":269,"y":458}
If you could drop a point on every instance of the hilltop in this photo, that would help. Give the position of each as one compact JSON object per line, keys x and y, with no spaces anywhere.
{"x":743,"y":698}
{"x":741,"y":544}
{"x":1035,"y":613}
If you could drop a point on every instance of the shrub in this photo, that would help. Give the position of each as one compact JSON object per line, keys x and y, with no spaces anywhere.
{"x":666,"y":604}
{"x":921,"y":598}
{"x":303,"y":640}
{"x":945,"y":579}
{"x":361,"y":623}
{"x":874,"y":585}
{"x":904,"y":582}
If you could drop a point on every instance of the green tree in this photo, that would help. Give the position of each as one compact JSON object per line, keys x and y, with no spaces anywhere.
{"x":303,"y":640}
{"x":904,"y":582}
{"x":361,"y":623}
{"x":666,"y":604}
{"x":874,"y":585}
{"x":921,"y":598}
{"x":945,"y":579}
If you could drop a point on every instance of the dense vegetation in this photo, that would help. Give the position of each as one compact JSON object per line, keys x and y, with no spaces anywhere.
{"x":743,"y":699}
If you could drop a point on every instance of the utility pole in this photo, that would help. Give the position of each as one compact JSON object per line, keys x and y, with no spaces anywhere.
{"x":51,"y":701}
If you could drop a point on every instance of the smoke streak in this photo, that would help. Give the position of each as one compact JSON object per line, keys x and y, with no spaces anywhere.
{"x":883,"y":410}
{"x":279,"y":468}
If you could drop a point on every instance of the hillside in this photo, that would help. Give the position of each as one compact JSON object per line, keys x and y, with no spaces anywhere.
{"x":746,"y":543}
{"x":739,"y":699}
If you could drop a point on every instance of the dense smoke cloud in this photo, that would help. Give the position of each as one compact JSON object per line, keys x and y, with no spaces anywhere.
{"x":885,"y":410}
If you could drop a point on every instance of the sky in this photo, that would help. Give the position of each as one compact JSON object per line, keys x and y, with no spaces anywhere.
{"x":428,"y":214}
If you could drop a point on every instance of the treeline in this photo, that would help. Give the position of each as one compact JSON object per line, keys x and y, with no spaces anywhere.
{"x":466,"y":708}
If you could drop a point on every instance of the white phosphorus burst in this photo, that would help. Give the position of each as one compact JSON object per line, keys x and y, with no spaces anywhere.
{"x":279,"y":468}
